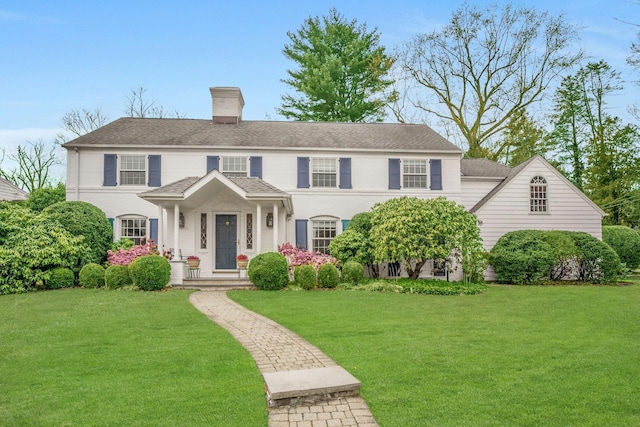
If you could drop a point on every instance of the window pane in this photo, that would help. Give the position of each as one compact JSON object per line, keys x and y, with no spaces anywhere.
{"x":323,"y":173}
{"x":132,"y":170}
{"x":414,"y":173}
{"x":133,"y":229}
{"x":538,"y":194}
{"x":323,"y":233}
{"x":234,"y":166}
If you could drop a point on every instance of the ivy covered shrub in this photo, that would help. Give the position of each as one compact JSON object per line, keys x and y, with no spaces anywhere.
{"x":269,"y":271}
{"x":87,"y":220}
{"x":60,"y":277}
{"x":150,"y":272}
{"x":523,"y":258}
{"x":352,"y":272}
{"x":328,"y":276}
{"x":92,"y":276}
{"x":625,"y":241}
{"x":304,"y":276}
{"x":117,"y":276}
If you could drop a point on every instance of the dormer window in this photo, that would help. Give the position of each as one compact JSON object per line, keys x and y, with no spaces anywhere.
{"x":538,"y":193}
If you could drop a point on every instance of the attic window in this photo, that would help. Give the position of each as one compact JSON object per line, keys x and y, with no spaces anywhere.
{"x":538,"y":193}
{"x":234,"y":166}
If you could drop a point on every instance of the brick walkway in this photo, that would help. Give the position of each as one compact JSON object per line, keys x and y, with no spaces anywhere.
{"x":275,"y":349}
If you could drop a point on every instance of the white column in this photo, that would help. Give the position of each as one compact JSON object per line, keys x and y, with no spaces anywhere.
{"x":259,"y":228}
{"x":276,"y":221}
{"x":160,"y":241}
{"x":176,"y":230}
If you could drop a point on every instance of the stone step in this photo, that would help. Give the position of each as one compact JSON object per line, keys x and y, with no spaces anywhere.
{"x":218,"y":284}
{"x":307,"y":386}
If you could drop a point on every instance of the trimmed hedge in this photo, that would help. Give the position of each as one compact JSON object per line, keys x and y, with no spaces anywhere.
{"x":269,"y":271}
{"x":304,"y":276}
{"x":150,"y":272}
{"x":625,"y":241}
{"x":328,"y":276}
{"x":352,"y":272}
{"x":92,"y":276}
{"x":117,"y":276}
{"x":60,"y":277}
{"x":523,"y":257}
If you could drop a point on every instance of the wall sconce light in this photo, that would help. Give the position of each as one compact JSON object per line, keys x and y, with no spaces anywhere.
{"x":270,"y":219}
{"x":181,"y":220}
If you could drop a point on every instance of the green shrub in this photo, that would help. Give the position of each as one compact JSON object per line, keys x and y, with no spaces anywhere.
{"x":352,"y":272}
{"x":328,"y":276}
{"x":150,"y":272}
{"x":523,"y":257}
{"x":123,"y":243}
{"x":117,"y":276}
{"x":84,"y":219}
{"x":598,"y":262}
{"x":350,"y":244}
{"x":304,"y":276}
{"x":269,"y":271}
{"x":60,"y":277}
{"x":92,"y":276}
{"x":44,"y":197}
{"x":625,"y":241}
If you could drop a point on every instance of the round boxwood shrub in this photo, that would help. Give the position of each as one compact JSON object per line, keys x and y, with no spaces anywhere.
{"x":304,"y":276}
{"x":598,"y":262}
{"x":60,"y":277}
{"x":117,"y":276}
{"x":328,"y":276}
{"x":523,"y":257}
{"x":92,"y":276}
{"x":150,"y":272}
{"x":352,"y":272}
{"x":625,"y":241}
{"x":269,"y":271}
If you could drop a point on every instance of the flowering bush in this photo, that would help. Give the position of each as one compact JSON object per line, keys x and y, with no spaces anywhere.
{"x":296,"y":257}
{"x":127,"y":256}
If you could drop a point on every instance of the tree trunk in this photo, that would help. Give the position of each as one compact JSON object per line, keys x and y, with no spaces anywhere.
{"x":413,"y":272}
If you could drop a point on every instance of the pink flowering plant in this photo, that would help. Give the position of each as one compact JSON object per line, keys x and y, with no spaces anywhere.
{"x":296,"y":256}
{"x":126,"y":256}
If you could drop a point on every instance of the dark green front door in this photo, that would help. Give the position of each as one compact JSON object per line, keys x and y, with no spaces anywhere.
{"x":226,"y":238}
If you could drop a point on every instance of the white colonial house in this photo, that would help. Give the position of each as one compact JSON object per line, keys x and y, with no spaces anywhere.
{"x":217,"y":188}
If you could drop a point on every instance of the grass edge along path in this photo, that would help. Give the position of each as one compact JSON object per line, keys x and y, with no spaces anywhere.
{"x":83,"y":357}
{"x":521,"y":356}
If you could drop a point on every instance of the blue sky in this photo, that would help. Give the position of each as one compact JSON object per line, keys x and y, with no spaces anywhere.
{"x":57,"y":56}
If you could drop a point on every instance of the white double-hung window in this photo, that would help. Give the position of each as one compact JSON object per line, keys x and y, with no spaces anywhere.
{"x":132,"y":170}
{"x":323,"y":232}
{"x":414,"y":173}
{"x":323,"y":172}
{"x":234,"y":166}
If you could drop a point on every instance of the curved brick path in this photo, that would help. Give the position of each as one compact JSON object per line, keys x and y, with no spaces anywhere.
{"x":275,"y":349}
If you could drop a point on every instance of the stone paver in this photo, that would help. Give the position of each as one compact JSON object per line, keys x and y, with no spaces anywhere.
{"x":274,"y":349}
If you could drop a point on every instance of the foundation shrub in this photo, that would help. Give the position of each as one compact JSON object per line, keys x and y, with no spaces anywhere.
{"x":150,"y":272}
{"x":598,"y":263}
{"x":60,"y":277}
{"x":328,"y":276}
{"x":352,"y":272}
{"x":625,"y":241}
{"x":117,"y":276}
{"x":92,"y":276}
{"x":523,"y":258}
{"x":304,"y":276}
{"x":269,"y":271}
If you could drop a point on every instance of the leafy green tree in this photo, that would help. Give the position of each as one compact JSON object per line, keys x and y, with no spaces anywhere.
{"x":485,"y":66}
{"x":354,"y":244}
{"x":39,"y":199}
{"x":341,"y":72}
{"x":412,"y":231}
{"x":523,"y":139}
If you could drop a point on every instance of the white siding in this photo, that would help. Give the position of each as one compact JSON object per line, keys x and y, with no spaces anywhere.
{"x":473,"y":190}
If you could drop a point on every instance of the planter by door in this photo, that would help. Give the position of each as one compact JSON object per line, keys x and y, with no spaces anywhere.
{"x":242,"y":263}
{"x":193,"y":263}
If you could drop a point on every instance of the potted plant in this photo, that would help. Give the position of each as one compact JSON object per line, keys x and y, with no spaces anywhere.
{"x":193,"y":261}
{"x":242,"y":260}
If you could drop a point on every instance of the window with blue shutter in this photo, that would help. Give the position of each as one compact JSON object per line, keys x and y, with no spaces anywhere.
{"x":301,"y":234}
{"x":255,"y":167}
{"x":155,"y":171}
{"x":345,"y":172}
{"x":435,"y":167}
{"x":394,"y":174}
{"x":303,"y":172}
{"x":153,"y":229}
{"x":110,"y":170}
{"x":213,"y":162}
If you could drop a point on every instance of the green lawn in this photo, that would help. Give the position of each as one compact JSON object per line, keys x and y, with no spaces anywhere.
{"x":521,"y":356}
{"x":86,"y":357}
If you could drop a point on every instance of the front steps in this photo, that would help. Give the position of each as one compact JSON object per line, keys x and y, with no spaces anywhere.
{"x":216,"y":284}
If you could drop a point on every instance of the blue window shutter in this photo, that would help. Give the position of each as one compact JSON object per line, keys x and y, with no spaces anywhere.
{"x":301,"y":233}
{"x":394,"y":174}
{"x":110,"y":170}
{"x":255,"y":166}
{"x":345,"y":224}
{"x":303,"y":172}
{"x":213,"y":162}
{"x":435,"y":166}
{"x":111,"y":221}
{"x":155,"y":171}
{"x":345,"y":172}
{"x":153,"y":229}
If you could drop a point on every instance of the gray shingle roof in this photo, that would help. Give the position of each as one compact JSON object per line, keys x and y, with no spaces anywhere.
{"x":483,"y":168}
{"x":127,"y":132}
{"x":251,"y":185}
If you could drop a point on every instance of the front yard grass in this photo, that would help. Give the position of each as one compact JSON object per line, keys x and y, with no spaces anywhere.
{"x":86,"y":357}
{"x":520,"y":356}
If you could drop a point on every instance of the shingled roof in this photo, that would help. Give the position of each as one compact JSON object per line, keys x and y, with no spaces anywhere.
{"x":483,"y":168}
{"x":135,"y":132}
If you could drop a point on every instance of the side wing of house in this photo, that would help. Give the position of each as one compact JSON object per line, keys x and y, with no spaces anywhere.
{"x":9,"y":192}
{"x":536,"y":196}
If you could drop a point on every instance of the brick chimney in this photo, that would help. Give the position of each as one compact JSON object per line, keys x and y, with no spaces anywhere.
{"x":227,"y":104}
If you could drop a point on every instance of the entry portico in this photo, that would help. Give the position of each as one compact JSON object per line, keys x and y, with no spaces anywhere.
{"x":216,"y":217}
